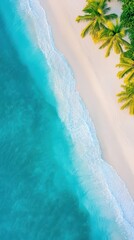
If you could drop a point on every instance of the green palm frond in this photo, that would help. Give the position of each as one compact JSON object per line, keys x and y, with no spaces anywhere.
{"x":95,"y":13}
{"x":125,"y":105}
{"x":114,"y":32}
{"x":126,"y":60}
{"x":83,"y":18}
{"x":105,"y":44}
{"x":109,"y":49}
{"x":110,"y":26}
{"x":129,"y":77}
{"x":123,"y":65}
{"x":123,"y":98}
{"x":127,"y":97}
{"x":122,"y":73}
{"x":123,"y":93}
{"x":117,"y":47}
{"x":131,"y":110}
{"x":111,"y":16}
{"x":86,"y":30}
{"x":127,"y":71}
{"x":124,"y":43}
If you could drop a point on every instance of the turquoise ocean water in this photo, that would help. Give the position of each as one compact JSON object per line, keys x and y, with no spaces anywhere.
{"x":54,"y":184}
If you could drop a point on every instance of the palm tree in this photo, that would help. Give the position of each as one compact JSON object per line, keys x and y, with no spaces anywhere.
{"x":95,"y":15}
{"x":127,"y":71}
{"x":127,"y":96}
{"x":112,"y":35}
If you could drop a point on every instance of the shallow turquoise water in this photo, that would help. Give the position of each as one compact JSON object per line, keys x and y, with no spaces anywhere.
{"x":37,"y":193}
{"x":41,"y":194}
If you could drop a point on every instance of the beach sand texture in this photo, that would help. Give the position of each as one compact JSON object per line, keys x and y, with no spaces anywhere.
{"x":97,"y":84}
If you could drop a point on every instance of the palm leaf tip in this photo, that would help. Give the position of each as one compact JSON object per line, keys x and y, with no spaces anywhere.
{"x":120,"y":94}
{"x":107,"y":54}
{"x":105,"y":44}
{"x":108,"y":50}
{"x":125,"y":105}
{"x":121,"y":74}
{"x":117,"y":48}
{"x":86,"y":30}
{"x":131,"y":109}
{"x":82,"y":34}
{"x":129,"y":77}
{"x":121,"y":98}
{"x":77,"y":19}
{"x":111,"y":16}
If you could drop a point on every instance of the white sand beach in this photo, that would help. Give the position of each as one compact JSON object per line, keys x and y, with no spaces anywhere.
{"x":97,"y":84}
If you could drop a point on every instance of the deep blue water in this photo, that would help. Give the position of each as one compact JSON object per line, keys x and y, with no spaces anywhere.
{"x":41,"y":195}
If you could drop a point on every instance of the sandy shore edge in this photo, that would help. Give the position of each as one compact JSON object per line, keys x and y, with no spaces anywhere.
{"x":97,"y":84}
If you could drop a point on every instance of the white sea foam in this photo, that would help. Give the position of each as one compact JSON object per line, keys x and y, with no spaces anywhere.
{"x":106,"y":192}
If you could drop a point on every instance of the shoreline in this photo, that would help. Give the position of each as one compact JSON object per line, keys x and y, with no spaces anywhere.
{"x":114,"y":127}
